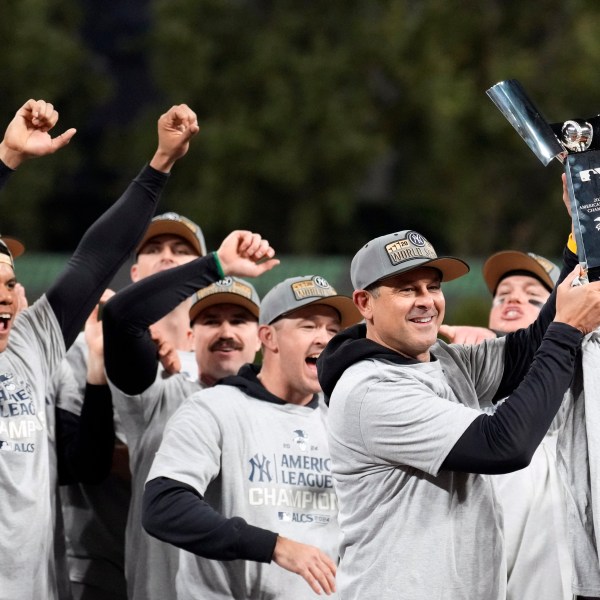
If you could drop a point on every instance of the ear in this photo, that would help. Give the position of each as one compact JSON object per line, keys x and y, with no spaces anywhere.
{"x":133,"y":273}
{"x":258,"y":342}
{"x":190,"y":339}
{"x":364,"y":302}
{"x":267,"y":336}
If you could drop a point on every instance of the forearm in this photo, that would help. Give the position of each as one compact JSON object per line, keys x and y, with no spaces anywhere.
{"x":85,"y":443}
{"x":103,"y":249}
{"x":506,"y":441}
{"x":176,"y":513}
{"x":522,"y":344}
{"x":130,"y":354}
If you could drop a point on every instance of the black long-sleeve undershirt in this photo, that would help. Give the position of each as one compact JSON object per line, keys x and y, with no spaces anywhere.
{"x":103,"y":249}
{"x":176,"y":513}
{"x":5,"y":173}
{"x":507,"y":440}
{"x":85,"y":443}
{"x":130,"y":354}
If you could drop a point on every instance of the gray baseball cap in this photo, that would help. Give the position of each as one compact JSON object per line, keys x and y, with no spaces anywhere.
{"x":397,"y":253}
{"x":175,"y":224}
{"x":230,"y":290}
{"x":502,"y":264}
{"x":297,"y":292}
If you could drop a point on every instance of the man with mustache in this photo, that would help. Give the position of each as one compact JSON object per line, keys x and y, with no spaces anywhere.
{"x":224,"y":319}
{"x":242,"y":477}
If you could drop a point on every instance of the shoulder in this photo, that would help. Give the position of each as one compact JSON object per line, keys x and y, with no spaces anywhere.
{"x":218,"y":399}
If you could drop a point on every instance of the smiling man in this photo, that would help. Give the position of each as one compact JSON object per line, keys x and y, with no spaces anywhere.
{"x":224,"y":318}
{"x":242,"y":477}
{"x":410,"y":444}
{"x":95,"y":513}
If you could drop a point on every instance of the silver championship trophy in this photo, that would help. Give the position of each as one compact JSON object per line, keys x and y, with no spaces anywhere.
{"x":575,"y":143}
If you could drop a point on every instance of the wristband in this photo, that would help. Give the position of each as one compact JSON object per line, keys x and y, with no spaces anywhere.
{"x":219,"y":266}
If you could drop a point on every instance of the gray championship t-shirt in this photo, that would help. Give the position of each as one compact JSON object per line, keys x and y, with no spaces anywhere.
{"x":150,"y":565}
{"x":27,"y":464}
{"x":411,"y":531}
{"x":267,"y":463}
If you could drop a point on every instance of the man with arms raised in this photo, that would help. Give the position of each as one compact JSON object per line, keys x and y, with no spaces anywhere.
{"x":95,"y":514}
{"x":33,"y":344}
{"x":533,"y":503}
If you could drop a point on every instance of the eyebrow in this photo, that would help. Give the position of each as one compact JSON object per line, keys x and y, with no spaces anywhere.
{"x":242,"y":313}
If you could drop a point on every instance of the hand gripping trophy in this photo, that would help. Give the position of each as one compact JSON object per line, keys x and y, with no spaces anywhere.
{"x":575,"y":143}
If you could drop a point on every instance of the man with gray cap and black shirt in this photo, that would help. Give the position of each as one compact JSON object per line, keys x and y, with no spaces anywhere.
{"x":243,"y":470}
{"x":227,"y":334}
{"x":410,"y":444}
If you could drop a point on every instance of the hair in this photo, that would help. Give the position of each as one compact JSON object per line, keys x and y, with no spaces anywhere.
{"x":373,"y":289}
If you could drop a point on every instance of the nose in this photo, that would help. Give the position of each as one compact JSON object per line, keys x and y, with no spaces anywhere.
{"x":225,"y":329}
{"x":166,"y":253}
{"x":515,"y":296}
{"x":6,"y":295}
{"x":425,"y":299}
{"x":322,"y":336}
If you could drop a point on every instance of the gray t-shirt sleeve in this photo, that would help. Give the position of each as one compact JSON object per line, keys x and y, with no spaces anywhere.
{"x":406,"y":418}
{"x":190,"y":451}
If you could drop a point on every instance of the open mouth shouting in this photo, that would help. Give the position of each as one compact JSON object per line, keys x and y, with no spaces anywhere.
{"x":311,"y":360}
{"x":5,"y":322}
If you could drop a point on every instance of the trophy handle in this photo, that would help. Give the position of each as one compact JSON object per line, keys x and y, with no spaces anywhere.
{"x":512,"y":101}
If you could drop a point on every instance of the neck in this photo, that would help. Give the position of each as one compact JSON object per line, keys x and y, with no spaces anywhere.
{"x":207,"y":380}
{"x":424,"y":356}
{"x":270,"y":377}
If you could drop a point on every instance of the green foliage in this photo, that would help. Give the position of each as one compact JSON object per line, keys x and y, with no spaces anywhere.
{"x":289,"y":126}
{"x":42,"y":57}
{"x":323,"y":124}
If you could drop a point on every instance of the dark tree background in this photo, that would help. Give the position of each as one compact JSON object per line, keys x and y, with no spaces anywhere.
{"x":323,"y":124}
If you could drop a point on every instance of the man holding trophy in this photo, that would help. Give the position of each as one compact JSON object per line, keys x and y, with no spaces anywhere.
{"x":576,"y":143}
{"x":411,"y":446}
